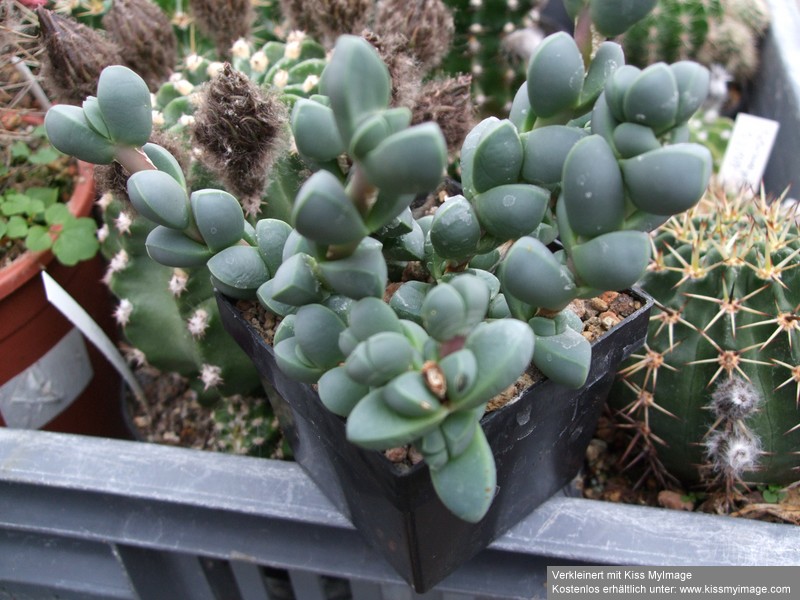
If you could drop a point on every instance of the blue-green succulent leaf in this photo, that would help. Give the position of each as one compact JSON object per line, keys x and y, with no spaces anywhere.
{"x":613,"y":261}
{"x":668,"y":180}
{"x":173,"y":249}
{"x":614,"y":17}
{"x":631,"y":139}
{"x":324,"y":213}
{"x":594,"y":195}
{"x":555,"y":75}
{"x":532,"y":274}
{"x":545,"y":150}
{"x":164,"y":161}
{"x":455,"y":230}
{"x":363,"y":273}
{"x":521,"y":113}
{"x":372,"y":315}
{"x":564,"y":357}
{"x":617,"y":86}
{"x":380,"y":358}
{"x":357,"y":82}
{"x":693,"y":82}
{"x":408,"y":395}
{"x":410,"y":161}
{"x":603,"y":121}
{"x":466,"y":484}
{"x":271,"y":236}
{"x":475,"y":291}
{"x":265,"y":296}
{"x":408,"y":298}
{"x":458,"y":430}
{"x":339,"y":393}
{"x":377,"y":128}
{"x":510,"y":211}
{"x":608,"y":58}
{"x":91,"y":110}
{"x":461,"y":372}
{"x":294,"y":364}
{"x":158,"y":197}
{"x":652,"y":98}
{"x":219,"y":218}
{"x":315,"y":133}
{"x":124,"y":100}
{"x":317,"y":332}
{"x":495,"y":159}
{"x":69,"y":131}
{"x":503,"y":350}
{"x":238,"y":271}
{"x":295,"y":282}
{"x":444,"y":313}
{"x":372,"y":424}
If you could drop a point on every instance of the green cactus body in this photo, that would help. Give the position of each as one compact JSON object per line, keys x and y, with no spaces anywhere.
{"x":722,"y":369}
{"x":479,"y":49}
{"x":709,"y":31}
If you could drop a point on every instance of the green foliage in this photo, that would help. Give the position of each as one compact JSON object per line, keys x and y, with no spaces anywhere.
{"x":35,"y":183}
{"x":420,"y":367}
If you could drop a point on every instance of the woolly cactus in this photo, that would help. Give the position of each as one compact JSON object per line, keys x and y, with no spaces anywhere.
{"x":716,"y":398}
{"x":419,"y":365}
{"x":709,"y":31}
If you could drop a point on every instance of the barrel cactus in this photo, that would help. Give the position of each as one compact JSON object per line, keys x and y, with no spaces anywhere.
{"x":715,"y":400}
{"x":410,"y":326}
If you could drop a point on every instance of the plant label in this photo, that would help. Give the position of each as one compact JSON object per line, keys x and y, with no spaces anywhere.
{"x":748,"y":152}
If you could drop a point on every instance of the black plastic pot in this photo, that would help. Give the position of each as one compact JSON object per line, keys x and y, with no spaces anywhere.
{"x":538,"y":442}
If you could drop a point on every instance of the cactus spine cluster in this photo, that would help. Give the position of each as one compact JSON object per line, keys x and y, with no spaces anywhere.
{"x":587,"y":154}
{"x":715,"y":400}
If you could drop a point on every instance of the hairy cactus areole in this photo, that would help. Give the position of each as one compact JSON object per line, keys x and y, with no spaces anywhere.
{"x":715,"y":399}
{"x":594,"y":154}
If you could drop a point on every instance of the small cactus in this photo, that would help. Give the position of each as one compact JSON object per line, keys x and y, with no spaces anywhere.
{"x":716,"y":398}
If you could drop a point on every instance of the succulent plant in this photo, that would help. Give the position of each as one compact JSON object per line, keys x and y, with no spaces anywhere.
{"x":587,"y":154}
{"x":715,"y":400}
{"x":724,"y":32}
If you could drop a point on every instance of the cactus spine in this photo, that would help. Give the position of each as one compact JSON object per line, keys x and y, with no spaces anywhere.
{"x":716,"y":398}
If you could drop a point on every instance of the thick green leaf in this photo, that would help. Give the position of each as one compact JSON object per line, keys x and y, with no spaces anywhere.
{"x":652,"y":98}
{"x":69,"y":131}
{"x":669,"y":180}
{"x":613,"y":261}
{"x":271,"y":236}
{"x":608,"y":58}
{"x":219,"y":218}
{"x":238,"y":271}
{"x":614,"y":17}
{"x":455,"y":230}
{"x":164,"y":161}
{"x":631,"y":139}
{"x":357,"y":83}
{"x":158,"y":197}
{"x":461,"y":372}
{"x":693,"y":82}
{"x":411,"y":161}
{"x":375,"y":426}
{"x":339,"y":393}
{"x":466,"y":484}
{"x":266,"y":297}
{"x":444,"y":313}
{"x":458,"y":430}
{"x":363,"y":273}
{"x":495,"y":158}
{"x":124,"y":101}
{"x":294,"y":364}
{"x":91,"y":110}
{"x":377,"y":128}
{"x":603,"y":121}
{"x":555,"y":75}
{"x":532,"y":274}
{"x":521,"y":113}
{"x":315,"y":133}
{"x":564,"y":357}
{"x":295,"y":282}
{"x":545,"y":150}
{"x":380,"y":358}
{"x":371,"y":315}
{"x":617,"y":85}
{"x":173,"y":249}
{"x":325,"y":214}
{"x":594,"y":196}
{"x":409,"y":396}
{"x":408,"y":298}
{"x":475,"y":290}
{"x":317,"y":332}
{"x":510,"y":211}
{"x":503,"y":350}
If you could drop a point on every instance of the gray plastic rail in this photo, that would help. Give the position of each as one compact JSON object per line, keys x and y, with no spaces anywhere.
{"x":93,"y":518}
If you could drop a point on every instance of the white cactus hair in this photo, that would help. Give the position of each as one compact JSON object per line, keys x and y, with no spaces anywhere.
{"x":733,"y":452}
{"x":735,"y":398}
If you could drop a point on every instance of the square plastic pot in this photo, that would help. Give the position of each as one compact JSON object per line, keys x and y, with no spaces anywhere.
{"x":538,"y":441}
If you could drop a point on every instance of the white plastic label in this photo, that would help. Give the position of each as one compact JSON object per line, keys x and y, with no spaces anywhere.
{"x":748,"y":152}
{"x":45,"y":389}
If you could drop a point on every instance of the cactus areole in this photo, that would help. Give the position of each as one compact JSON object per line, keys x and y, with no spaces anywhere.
{"x":592,"y":154}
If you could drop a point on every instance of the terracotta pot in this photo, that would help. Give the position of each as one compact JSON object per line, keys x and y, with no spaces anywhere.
{"x":50,"y":376}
